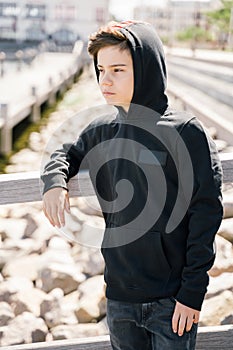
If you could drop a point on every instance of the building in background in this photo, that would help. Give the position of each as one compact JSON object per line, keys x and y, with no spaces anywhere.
{"x":61,"y":20}
{"x":176,"y":15}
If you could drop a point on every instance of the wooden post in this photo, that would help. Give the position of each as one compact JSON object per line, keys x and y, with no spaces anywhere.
{"x":62,"y":88}
{"x":6,"y":131}
{"x":2,"y":59}
{"x":70,"y":79}
{"x":35,"y":116}
{"x":52,"y":95}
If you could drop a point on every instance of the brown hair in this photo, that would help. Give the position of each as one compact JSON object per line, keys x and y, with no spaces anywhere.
{"x":108,"y":35}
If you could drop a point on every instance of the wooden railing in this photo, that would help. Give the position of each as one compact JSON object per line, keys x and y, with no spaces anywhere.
{"x":25,"y":187}
{"x":211,"y":338}
{"x":52,"y":73}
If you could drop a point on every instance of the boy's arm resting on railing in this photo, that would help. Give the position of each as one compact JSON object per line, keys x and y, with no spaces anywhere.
{"x":64,"y":164}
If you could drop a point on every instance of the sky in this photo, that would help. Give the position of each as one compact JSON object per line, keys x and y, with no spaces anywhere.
{"x":123,"y":9}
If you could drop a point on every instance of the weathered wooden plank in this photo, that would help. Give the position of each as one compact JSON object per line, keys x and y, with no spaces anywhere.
{"x":214,"y":338}
{"x":26,"y":187}
{"x":92,"y":343}
{"x":227,"y":164}
{"x":19,"y":187}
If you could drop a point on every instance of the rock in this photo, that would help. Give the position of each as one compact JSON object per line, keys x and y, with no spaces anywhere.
{"x":55,"y":310}
{"x":212,"y":131}
{"x":53,"y":256}
{"x":23,"y":160}
{"x":220,"y":283}
{"x":13,"y":228}
{"x":92,"y":305}
{"x":70,"y":303}
{"x":35,"y":142}
{"x":7,"y":255}
{"x":221,"y":144}
{"x":228,"y":203}
{"x":51,"y":301}
{"x":92,"y":232}
{"x":228,"y":209}
{"x":5,"y":211}
{"x":28,"y":300}
{"x":23,"y":246}
{"x":6,"y":313}
{"x":26,"y":266}
{"x":224,"y":257}
{"x":91,"y":260}
{"x":79,"y":331}
{"x":11,"y":336}
{"x":89,"y":205}
{"x":45,"y":230}
{"x":226,"y":229}
{"x":64,"y":276}
{"x":12,"y":285}
{"x":58,"y":243}
{"x":44,"y":233}
{"x":31,"y":265}
{"x":32,"y":225}
{"x":227,"y":320}
{"x":23,"y":211}
{"x":216,"y":309}
{"x":51,"y":312}
{"x":73,"y":225}
{"x":24,"y":329}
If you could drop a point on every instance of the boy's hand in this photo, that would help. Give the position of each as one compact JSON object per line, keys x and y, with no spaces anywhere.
{"x":55,"y":201}
{"x":183,"y":318}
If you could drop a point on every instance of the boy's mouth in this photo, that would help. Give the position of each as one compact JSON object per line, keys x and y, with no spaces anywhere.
{"x":108,"y":93}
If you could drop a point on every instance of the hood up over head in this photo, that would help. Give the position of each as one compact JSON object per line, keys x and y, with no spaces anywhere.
{"x":148,"y":63}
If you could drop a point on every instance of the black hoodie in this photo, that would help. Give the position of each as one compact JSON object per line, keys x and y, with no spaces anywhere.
{"x":158,"y":178}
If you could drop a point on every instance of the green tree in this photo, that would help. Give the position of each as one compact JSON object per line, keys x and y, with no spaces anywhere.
{"x":198,"y":34}
{"x":221,"y":17}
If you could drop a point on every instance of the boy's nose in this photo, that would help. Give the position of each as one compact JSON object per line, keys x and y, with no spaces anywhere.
{"x":105,"y":80}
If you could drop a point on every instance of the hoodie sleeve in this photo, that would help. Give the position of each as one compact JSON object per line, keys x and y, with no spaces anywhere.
{"x":64,"y":163}
{"x":204,"y":213}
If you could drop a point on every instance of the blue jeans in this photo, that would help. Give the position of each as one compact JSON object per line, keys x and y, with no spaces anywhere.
{"x":146,"y":326}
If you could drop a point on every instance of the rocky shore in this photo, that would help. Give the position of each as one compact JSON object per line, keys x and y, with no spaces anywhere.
{"x":52,"y":288}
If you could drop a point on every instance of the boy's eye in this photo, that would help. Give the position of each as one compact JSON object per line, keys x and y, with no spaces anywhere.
{"x":118,"y":70}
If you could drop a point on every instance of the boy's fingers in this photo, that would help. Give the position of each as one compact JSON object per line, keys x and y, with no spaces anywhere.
{"x":55,"y":201}
{"x":55,"y":217}
{"x":64,"y":206}
{"x":183,"y":318}
{"x":189,"y":323}
{"x":175,"y":321}
{"x":196,"y":317}
{"x":67,"y":204}
{"x":61,"y":216}
{"x":181,"y":325}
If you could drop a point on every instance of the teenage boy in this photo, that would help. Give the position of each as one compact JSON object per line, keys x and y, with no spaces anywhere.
{"x":156,"y":264}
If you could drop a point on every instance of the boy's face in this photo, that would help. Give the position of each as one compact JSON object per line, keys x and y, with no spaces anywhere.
{"x":116,"y":76}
